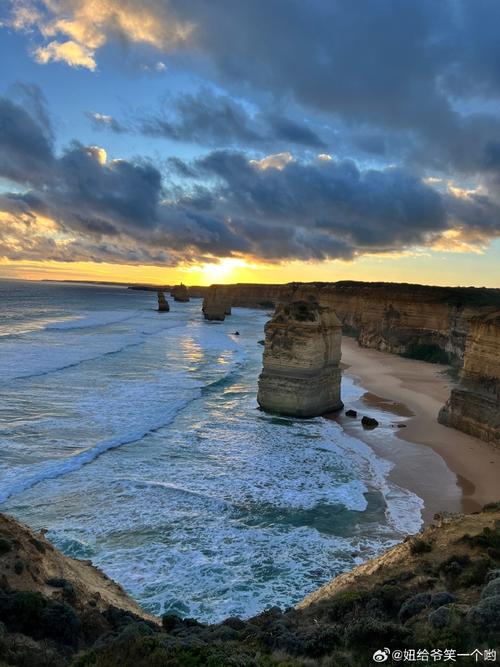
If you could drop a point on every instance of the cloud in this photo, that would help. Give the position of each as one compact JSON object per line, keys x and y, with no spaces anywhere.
{"x":414,"y":82}
{"x":81,"y":27}
{"x":102,"y":121}
{"x":25,"y":145}
{"x":276,"y":161}
{"x":70,"y":52}
{"x":80,"y":204}
{"x":213,"y":119}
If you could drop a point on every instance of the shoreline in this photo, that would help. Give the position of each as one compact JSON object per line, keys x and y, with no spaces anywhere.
{"x":448,"y":469}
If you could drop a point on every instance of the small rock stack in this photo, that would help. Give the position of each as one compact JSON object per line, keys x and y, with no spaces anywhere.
{"x":163,"y":306}
{"x":180,"y":293}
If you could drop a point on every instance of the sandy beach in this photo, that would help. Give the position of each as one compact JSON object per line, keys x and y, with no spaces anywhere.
{"x":448,"y":469}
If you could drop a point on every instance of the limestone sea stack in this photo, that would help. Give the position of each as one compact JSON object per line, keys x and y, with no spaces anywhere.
{"x":474,"y":406}
{"x":301,"y":374}
{"x":180,"y":293}
{"x":163,"y":306}
{"x":216,"y":304}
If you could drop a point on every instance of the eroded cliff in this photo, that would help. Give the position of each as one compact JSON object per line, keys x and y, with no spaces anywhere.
{"x":301,"y":374}
{"x":474,"y":406}
{"x":424,"y":322}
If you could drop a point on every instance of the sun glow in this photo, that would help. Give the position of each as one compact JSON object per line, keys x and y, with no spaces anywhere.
{"x":226,"y":270}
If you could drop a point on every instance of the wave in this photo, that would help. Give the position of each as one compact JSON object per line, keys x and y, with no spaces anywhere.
{"x":73,"y":463}
{"x":403,"y":508}
{"x":70,"y":464}
{"x":38,"y":355}
{"x":93,"y":320}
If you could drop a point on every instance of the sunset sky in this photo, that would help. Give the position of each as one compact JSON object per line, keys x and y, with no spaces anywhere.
{"x":250,"y":140}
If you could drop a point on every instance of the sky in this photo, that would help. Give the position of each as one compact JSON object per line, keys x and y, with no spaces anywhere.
{"x":252,"y":141}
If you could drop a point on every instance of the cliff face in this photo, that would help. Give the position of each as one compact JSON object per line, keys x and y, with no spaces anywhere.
{"x":429,"y":323}
{"x":220,"y":298}
{"x":301,"y":375}
{"x":474,"y":407}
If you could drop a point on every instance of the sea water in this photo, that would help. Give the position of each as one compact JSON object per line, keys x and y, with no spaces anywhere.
{"x":134,"y":438}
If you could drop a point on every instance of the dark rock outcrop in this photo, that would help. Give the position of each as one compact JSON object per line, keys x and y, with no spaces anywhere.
{"x":180,"y":293}
{"x":301,"y":374}
{"x":163,"y":306}
{"x":369,"y":422}
{"x":351,"y":413}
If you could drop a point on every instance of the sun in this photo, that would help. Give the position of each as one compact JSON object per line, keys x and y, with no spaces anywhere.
{"x":222,"y":271}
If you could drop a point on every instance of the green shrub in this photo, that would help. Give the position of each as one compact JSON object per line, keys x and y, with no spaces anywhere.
{"x":372,"y":633}
{"x":419,"y":546}
{"x":344,"y":603}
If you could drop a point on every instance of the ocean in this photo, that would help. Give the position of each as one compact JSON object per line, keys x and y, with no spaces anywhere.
{"x":134,"y":439}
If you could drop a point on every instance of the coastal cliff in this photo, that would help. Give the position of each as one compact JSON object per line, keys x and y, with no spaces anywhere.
{"x":419,"y":321}
{"x":439,"y":589}
{"x":449,"y":325}
{"x":301,"y":374}
{"x":474,"y":406}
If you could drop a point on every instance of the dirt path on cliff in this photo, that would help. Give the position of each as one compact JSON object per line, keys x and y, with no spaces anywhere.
{"x":423,"y":388}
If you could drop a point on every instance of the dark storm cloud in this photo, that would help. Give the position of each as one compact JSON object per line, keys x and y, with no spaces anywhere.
{"x":328,"y":199}
{"x":25,"y":145}
{"x":406,"y":73}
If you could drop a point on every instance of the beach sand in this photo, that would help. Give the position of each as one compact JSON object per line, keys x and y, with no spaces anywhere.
{"x":449,"y":470}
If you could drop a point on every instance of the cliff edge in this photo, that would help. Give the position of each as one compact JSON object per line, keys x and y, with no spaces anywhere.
{"x":438,"y":591}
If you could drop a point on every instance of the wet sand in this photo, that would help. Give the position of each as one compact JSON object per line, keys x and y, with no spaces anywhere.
{"x":449,"y":470}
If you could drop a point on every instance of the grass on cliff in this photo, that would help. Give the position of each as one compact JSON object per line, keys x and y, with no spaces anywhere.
{"x":443,"y":591}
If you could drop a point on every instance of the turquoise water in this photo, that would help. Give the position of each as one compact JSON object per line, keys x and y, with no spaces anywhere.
{"x":135,"y":439}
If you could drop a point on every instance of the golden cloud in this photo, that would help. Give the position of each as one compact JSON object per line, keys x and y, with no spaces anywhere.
{"x":276,"y":161}
{"x":79,"y":28}
{"x":72,"y":53}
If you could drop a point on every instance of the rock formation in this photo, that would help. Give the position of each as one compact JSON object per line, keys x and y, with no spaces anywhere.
{"x":216,"y":304}
{"x":474,"y":406}
{"x":419,"y":321}
{"x":180,"y":293}
{"x":301,"y":374}
{"x":163,"y":306}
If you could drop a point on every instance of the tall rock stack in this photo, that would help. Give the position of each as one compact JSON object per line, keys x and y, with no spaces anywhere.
{"x":163,"y":306}
{"x":180,"y":293}
{"x":216,"y":304}
{"x":301,"y":374}
{"x":474,"y":407}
